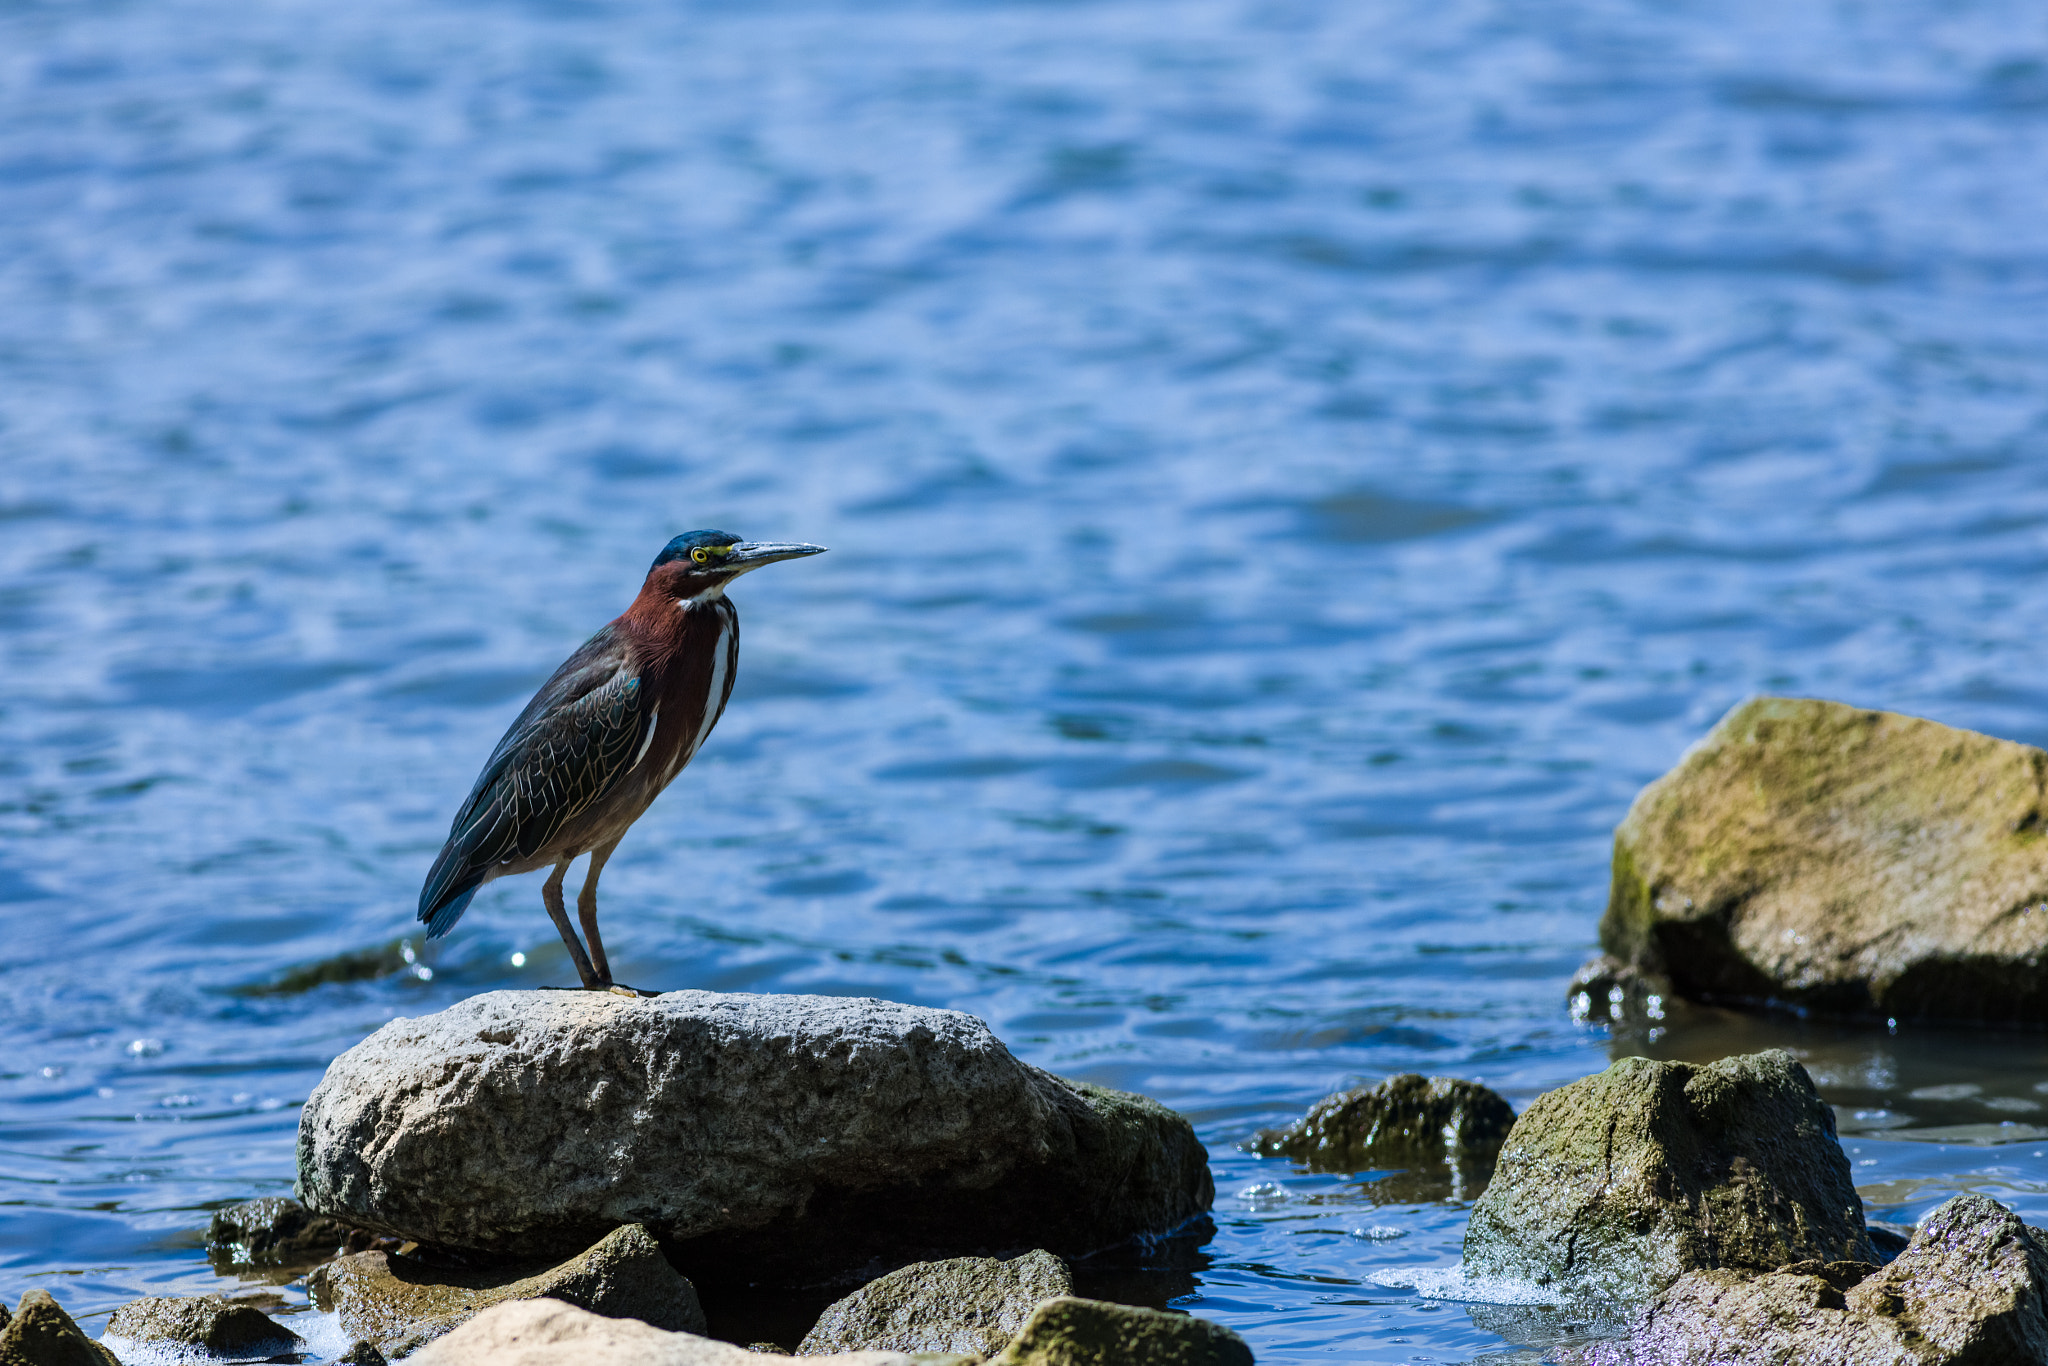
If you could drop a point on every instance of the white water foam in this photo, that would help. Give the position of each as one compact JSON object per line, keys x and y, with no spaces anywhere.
{"x":1451,"y":1283}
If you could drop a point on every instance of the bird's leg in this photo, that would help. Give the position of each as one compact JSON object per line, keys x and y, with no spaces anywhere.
{"x":551,"y":892}
{"x":586,"y":909}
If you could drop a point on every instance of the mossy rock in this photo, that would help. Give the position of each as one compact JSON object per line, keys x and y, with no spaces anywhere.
{"x":40,"y":1333}
{"x":209,"y":1323}
{"x":1616,"y":1185}
{"x":1861,"y":863}
{"x":400,"y":1303}
{"x":1077,"y":1332}
{"x":971,"y":1305}
{"x":1407,"y":1121}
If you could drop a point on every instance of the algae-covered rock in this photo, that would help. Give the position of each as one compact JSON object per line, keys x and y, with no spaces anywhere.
{"x":759,"y":1137}
{"x":1621,"y":1182}
{"x":551,"y":1333}
{"x":274,"y":1231}
{"x":208,"y":1323}
{"x":1405,"y":1121}
{"x":1845,"y":861}
{"x":40,"y":1333}
{"x":1970,"y":1290}
{"x":966,"y":1304}
{"x":399,"y":1303}
{"x":1076,"y":1332}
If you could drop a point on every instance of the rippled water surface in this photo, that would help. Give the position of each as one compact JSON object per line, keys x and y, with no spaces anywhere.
{"x":1293,"y":472}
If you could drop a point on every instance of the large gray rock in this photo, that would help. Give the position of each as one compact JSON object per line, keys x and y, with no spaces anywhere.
{"x":1852,"y":862}
{"x":1405,"y":1121}
{"x":203,"y":1323}
{"x":966,"y":1304}
{"x":768,"y":1137}
{"x":40,"y":1333}
{"x":398,"y":1303}
{"x":1075,"y":1332}
{"x":550,"y":1333}
{"x":1970,"y":1290}
{"x":1616,"y":1185}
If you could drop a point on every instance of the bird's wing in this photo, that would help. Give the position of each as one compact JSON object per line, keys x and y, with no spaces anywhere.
{"x":578,"y":735}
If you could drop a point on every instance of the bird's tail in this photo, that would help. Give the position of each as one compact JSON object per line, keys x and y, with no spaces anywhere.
{"x":441,"y":919}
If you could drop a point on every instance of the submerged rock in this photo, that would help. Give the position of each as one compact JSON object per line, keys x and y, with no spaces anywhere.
{"x":763,"y":1137}
{"x":1970,"y":1290}
{"x":274,"y":1231}
{"x":550,"y":1333}
{"x":1853,"y":862}
{"x":1075,"y":1332}
{"x":967,"y":1304}
{"x":400,"y":1303}
{"x":208,"y":1323}
{"x":1405,"y":1121}
{"x":40,"y":1333}
{"x":1621,"y":1182}
{"x":1606,"y":990}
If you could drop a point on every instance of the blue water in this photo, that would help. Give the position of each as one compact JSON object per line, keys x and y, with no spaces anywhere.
{"x":1293,"y":472}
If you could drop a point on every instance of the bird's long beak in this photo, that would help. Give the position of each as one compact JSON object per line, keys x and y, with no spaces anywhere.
{"x":753,"y":554}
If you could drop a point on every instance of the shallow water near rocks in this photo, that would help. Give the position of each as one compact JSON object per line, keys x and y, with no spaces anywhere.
{"x":1293,"y":473}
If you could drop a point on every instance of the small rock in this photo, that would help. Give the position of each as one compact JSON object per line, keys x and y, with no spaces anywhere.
{"x":40,"y":1333}
{"x":1844,"y":861}
{"x":973,"y":1305}
{"x":550,"y":1333}
{"x":275,"y":1231}
{"x":399,"y":1303}
{"x":210,"y":1323}
{"x":1970,"y":1290}
{"x":797,"y":1137}
{"x":1075,"y":1332}
{"x":1619,"y":1183}
{"x":1607,"y":991}
{"x":1405,"y":1121}
{"x":361,"y":1354}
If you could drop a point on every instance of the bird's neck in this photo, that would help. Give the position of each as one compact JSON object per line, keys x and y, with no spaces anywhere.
{"x":659,"y":621}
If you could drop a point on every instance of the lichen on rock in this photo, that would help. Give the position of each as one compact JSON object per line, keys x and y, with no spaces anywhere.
{"x":1616,"y":1185}
{"x":964,"y":1304}
{"x":40,"y":1333}
{"x":1838,"y":860}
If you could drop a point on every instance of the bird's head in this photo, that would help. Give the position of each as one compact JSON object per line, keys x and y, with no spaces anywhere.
{"x":700,"y":562}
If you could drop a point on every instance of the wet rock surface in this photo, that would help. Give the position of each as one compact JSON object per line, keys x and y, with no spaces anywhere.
{"x":1605,"y":990}
{"x":208,"y":1323}
{"x":399,"y":1303}
{"x":1970,"y":1290}
{"x":40,"y":1333}
{"x":1405,"y":1121}
{"x":1616,"y":1185}
{"x":1862,"y":863}
{"x":550,"y":1333}
{"x":1077,"y":1332}
{"x":965,"y":1304}
{"x":799,"y":1137}
{"x":281,"y":1233}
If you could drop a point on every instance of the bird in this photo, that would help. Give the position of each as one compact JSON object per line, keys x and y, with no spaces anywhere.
{"x":604,"y":735}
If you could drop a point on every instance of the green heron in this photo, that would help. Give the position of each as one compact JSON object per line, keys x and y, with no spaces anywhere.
{"x":602,"y":738}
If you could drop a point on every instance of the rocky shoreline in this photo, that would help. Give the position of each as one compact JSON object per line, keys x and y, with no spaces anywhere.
{"x":554,"y":1177}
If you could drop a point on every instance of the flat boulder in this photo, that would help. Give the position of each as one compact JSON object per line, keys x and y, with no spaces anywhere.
{"x":1407,"y":1121}
{"x":1077,"y":1332}
{"x":758,"y":1137}
{"x":211,"y":1324}
{"x":1971,"y":1289}
{"x":40,"y":1333}
{"x":551,"y":1333}
{"x":1859,"y":863}
{"x":399,"y":1303}
{"x":1620,"y":1183}
{"x":973,"y":1305}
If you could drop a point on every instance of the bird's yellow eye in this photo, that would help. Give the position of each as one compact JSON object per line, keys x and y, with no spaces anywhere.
{"x":700,"y":554}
